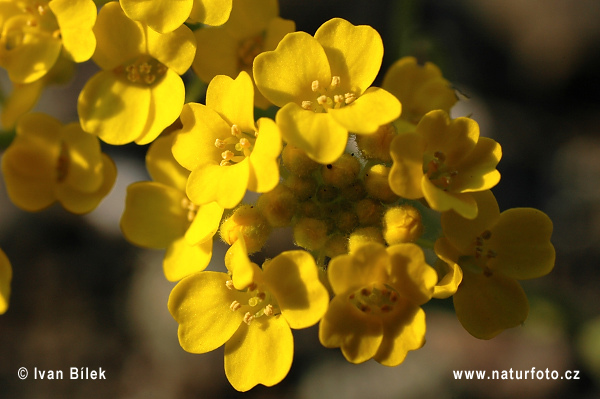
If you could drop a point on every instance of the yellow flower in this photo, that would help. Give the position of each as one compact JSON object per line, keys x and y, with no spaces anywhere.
{"x":34,"y":32}
{"x":495,"y":250}
{"x":444,"y":161}
{"x":5,"y":278}
{"x":250,"y":313}
{"x":139,"y":91}
{"x":322,"y":84}
{"x":254,"y":26}
{"x":167,"y":15}
{"x":158,"y":215}
{"x":224,"y":149}
{"x":420,"y":89}
{"x":48,"y":162}
{"x":376,"y":309}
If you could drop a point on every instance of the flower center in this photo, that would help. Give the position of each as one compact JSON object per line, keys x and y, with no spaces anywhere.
{"x":331,"y":97}
{"x":438,"y":172}
{"x":376,"y":299}
{"x":143,"y":71}
{"x":236,"y":147}
{"x":247,"y":50}
{"x":260,"y":303}
{"x":36,"y":20}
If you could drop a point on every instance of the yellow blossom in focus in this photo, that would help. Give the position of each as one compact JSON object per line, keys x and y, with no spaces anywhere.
{"x":445,"y":161}
{"x":34,"y":32}
{"x":158,"y":214}
{"x":494,"y":250}
{"x":225,"y":150}
{"x":167,"y":15}
{"x":322,"y":84}
{"x":5,"y":279}
{"x":254,"y":26}
{"x":376,"y":312}
{"x":251,"y":311}
{"x":48,"y":162}
{"x":139,"y":91}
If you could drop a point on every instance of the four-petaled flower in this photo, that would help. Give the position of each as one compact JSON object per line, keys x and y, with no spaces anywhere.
{"x":250,"y":312}
{"x":226,"y":151}
{"x":445,"y":161}
{"x":494,"y":250}
{"x":376,"y":309}
{"x":322,"y":84}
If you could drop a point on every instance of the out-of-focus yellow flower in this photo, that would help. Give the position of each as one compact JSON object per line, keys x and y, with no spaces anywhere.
{"x":251,"y":313}
{"x":322,"y":84}
{"x":254,"y":26}
{"x":167,"y":15}
{"x":139,"y":91}
{"x":495,"y":250}
{"x":444,"y":161}
{"x":224,"y":149}
{"x":34,"y":32}
{"x":420,"y":88}
{"x":24,"y":96}
{"x":5,"y":278}
{"x":158,"y":214}
{"x":376,"y":312}
{"x":48,"y":162}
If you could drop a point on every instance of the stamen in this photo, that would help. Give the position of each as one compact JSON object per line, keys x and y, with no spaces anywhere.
{"x":227,"y":155}
{"x":220,"y":144}
{"x":338,"y":99}
{"x":248,"y":318}
{"x":224,"y":163}
{"x":245,"y":143}
{"x":229,"y":284}
{"x":269,"y":310}
{"x":350,"y":97}
{"x":335,"y":82}
{"x":322,"y":100}
{"x":235,"y":305}
{"x":315,"y":85}
{"x":307,"y":105}
{"x":235,"y":130}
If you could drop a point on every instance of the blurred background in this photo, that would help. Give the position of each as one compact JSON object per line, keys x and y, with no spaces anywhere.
{"x":526,"y":71}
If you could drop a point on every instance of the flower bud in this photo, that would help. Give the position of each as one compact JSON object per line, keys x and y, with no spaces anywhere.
{"x":376,"y":183}
{"x":342,"y":172}
{"x":248,"y":221}
{"x":377,"y":145}
{"x":337,"y":244}
{"x":327,"y":194}
{"x":303,"y":187}
{"x":297,"y":162}
{"x":369,"y":212}
{"x":362,"y":236}
{"x":402,"y":224}
{"x":310,"y":233}
{"x":354,"y":192}
{"x":278,"y":206}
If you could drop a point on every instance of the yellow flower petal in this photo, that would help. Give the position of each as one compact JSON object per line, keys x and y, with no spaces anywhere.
{"x":205,"y":223}
{"x":282,"y":79}
{"x":225,"y":185}
{"x":264,"y":160}
{"x":403,"y":331}
{"x":153,"y":215}
{"x":76,"y":18}
{"x":233,"y":99}
{"x":409,"y":274}
{"x":175,"y":49}
{"x":118,"y":38}
{"x":85,"y":160}
{"x":521,"y":239}
{"x":354,"y":53}
{"x":259,"y":353}
{"x":211,"y":12}
{"x":442,"y":201}
{"x":293,"y":278}
{"x":183,"y":259}
{"x":22,"y":99}
{"x":79,"y":202}
{"x":318,"y":134}
{"x":160,"y":15}
{"x":5,"y":279}
{"x":162,"y":166}
{"x":200,"y":303}
{"x":478,"y":171}
{"x":451,"y":273}
{"x":367,"y":265}
{"x":240,"y":266}
{"x":407,"y":169}
{"x":216,"y":54}
{"x":251,"y":17}
{"x":358,"y":334}
{"x":166,"y":101}
{"x":454,"y":138}
{"x":373,"y":108}
{"x":112,"y":109}
{"x":485,"y":306}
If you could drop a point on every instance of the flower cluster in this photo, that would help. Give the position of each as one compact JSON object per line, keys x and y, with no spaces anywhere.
{"x":359,"y":174}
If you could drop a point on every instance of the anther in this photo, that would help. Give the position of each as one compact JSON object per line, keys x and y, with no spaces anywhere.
{"x":149,"y":79}
{"x":307,"y":105}
{"x":338,"y":99}
{"x":491,"y":254}
{"x":245,"y":143}
{"x":349,"y":98}
{"x":335,"y":82}
{"x":220,"y":143}
{"x":229,"y":284}
{"x":227,"y":155}
{"x":248,"y":318}
{"x":365,"y":292}
{"x":224,"y":163}
{"x":235,"y":130}
{"x":315,"y":85}
{"x":235,"y":305}
{"x":439,"y":156}
{"x":486,"y":235}
{"x":269,"y":310}
{"x":364,"y":308}
{"x":322,"y":100}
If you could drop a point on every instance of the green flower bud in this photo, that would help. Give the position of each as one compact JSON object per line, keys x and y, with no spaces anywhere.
{"x":302,"y":187}
{"x":355,"y":191}
{"x":369,"y":212}
{"x":278,"y":206}
{"x":342,"y":172}
{"x":327,"y":194}
{"x":297,"y":162}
